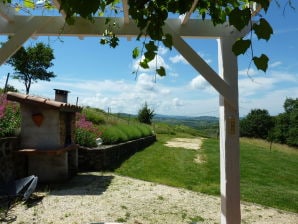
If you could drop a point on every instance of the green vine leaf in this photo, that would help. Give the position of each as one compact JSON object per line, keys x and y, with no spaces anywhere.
{"x":144,"y":64}
{"x":241,"y":46}
{"x":239,"y":18}
{"x":261,"y":62}
{"x":263,"y":30}
{"x":168,"y":41}
{"x":151,"y":46}
{"x":264,"y":4}
{"x":150,"y":55}
{"x":135,"y":53}
{"x":161,"y":71}
{"x":29,"y":4}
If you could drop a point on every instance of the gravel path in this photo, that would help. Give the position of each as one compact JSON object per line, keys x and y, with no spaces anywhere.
{"x":105,"y":198}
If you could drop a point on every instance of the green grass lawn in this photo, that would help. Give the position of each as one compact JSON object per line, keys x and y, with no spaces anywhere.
{"x":267,"y":177}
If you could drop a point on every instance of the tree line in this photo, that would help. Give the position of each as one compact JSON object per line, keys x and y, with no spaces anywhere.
{"x":282,"y":128}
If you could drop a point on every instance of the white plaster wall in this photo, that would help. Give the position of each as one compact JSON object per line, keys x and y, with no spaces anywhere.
{"x":46,"y":136}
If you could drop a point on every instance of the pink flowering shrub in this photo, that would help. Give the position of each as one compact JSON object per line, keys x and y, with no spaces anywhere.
{"x":10,"y":118}
{"x":86,"y":131}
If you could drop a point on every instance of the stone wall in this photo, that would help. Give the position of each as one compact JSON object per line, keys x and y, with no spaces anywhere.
{"x":109,"y":157}
{"x":11,"y":165}
{"x":43,"y":137}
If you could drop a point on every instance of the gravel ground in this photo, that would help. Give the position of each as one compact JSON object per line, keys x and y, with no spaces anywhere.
{"x":102,"y":198}
{"x":98,"y":198}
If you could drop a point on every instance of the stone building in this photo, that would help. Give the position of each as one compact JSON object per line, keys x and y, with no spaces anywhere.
{"x":47,"y":135}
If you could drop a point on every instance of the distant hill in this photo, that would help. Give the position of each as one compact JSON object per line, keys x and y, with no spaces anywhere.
{"x":207,"y":123}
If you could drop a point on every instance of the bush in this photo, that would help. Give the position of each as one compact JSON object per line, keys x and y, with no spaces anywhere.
{"x":113,"y":135}
{"x":145,"y":114}
{"x":93,"y":116}
{"x":86,"y":132}
{"x":10,"y":118}
{"x":122,"y":133}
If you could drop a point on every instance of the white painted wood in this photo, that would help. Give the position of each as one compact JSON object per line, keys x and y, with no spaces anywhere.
{"x":20,"y":37}
{"x":201,"y":66}
{"x":184,"y":18}
{"x":227,"y":85}
{"x":194,"y":28}
{"x":229,"y":136}
{"x":125,"y":11}
{"x":7,"y":13}
{"x":57,"y":5}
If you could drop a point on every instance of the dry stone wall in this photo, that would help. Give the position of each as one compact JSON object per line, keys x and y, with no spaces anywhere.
{"x":109,"y":157}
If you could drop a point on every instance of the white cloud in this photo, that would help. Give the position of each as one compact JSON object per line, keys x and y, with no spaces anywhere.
{"x":269,"y":82}
{"x":275,"y":64}
{"x":155,"y":63}
{"x":272,"y":101}
{"x":177,"y":102}
{"x":198,"y":83}
{"x":178,"y":59}
{"x":162,"y":50}
{"x":248,"y":72}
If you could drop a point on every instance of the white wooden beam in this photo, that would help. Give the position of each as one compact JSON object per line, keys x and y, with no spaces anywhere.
{"x":194,"y":28}
{"x":229,"y":136}
{"x":184,"y":18}
{"x":6,"y":12}
{"x":125,"y":11}
{"x":20,"y":37}
{"x":57,"y":5}
{"x":201,"y":66}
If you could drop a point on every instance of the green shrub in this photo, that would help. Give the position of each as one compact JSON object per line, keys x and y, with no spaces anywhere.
{"x":86,"y":132}
{"x":113,"y":135}
{"x":124,"y":132}
{"x":85,"y":137}
{"x":94,"y":116}
{"x":145,"y":130}
{"x":10,"y":118}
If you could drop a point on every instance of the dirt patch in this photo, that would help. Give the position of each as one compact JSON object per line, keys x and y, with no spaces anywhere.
{"x":187,"y":143}
{"x":103,"y":198}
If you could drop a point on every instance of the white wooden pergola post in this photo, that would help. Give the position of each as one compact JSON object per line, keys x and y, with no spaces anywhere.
{"x":229,"y":136}
{"x":21,"y":28}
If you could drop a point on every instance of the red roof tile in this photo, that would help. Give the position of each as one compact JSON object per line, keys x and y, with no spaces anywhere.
{"x":23,"y":98}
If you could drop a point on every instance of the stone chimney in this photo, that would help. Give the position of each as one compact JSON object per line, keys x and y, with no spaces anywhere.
{"x":61,"y":95}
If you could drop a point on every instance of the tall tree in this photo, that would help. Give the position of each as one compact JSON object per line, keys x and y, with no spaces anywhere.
{"x":31,"y":64}
{"x":145,"y":114}
{"x":286,"y":124}
{"x":256,"y":124}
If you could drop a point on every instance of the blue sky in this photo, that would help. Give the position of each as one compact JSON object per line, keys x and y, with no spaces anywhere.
{"x":102,"y":77}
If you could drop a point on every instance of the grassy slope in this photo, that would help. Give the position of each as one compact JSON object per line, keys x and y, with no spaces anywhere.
{"x":267,"y":177}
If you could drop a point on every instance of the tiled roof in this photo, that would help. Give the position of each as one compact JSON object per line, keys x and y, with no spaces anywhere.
{"x":35,"y":100}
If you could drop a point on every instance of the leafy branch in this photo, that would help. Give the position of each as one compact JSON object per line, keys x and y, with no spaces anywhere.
{"x":150,"y":17}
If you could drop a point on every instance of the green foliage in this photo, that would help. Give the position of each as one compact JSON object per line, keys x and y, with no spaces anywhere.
{"x":241,"y":46}
{"x":150,"y":17}
{"x":124,"y":132}
{"x":86,"y":132}
{"x":10,"y":118}
{"x":145,"y":114}
{"x":261,"y":62}
{"x":94,"y":115}
{"x":31,"y":64}
{"x":286,"y":124}
{"x":9,"y":88}
{"x":85,"y":137}
{"x":256,"y":124}
{"x":264,"y":173}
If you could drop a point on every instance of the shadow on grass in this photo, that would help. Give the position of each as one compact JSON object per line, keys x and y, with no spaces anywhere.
{"x":81,"y":184}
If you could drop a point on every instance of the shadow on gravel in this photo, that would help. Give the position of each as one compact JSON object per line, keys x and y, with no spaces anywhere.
{"x":82,"y":184}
